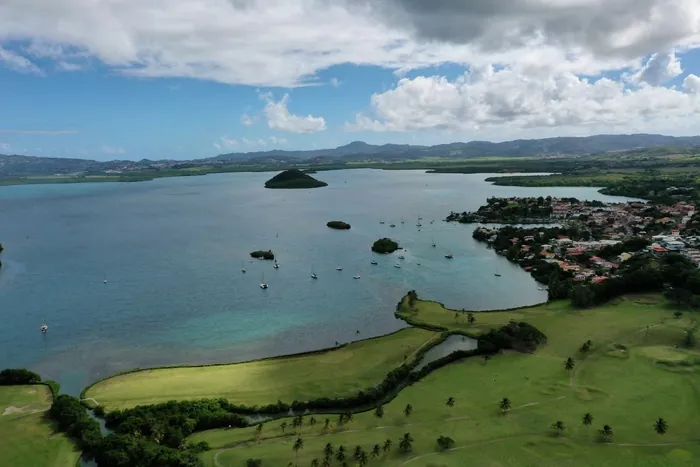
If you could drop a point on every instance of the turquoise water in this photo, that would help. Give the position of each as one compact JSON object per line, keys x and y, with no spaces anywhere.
{"x":171,"y":251}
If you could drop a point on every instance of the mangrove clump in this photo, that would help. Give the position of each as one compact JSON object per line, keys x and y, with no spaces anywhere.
{"x":385,"y":246}
{"x":263,"y":254}
{"x":338,"y":225}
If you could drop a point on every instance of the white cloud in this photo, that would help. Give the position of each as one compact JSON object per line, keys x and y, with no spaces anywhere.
{"x":658,"y":70}
{"x":17,"y":62}
{"x":335,"y":82}
{"x":254,"y":143}
{"x":247,"y":120}
{"x":487,"y":99}
{"x":692,"y":83}
{"x":277,"y":141}
{"x":112,"y":149}
{"x":279,"y":117}
{"x":217,"y":146}
{"x":220,"y":40}
{"x":226,"y":143}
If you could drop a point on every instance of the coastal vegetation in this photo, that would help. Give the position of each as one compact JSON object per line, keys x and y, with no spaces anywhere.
{"x":385,"y":246}
{"x":294,"y":178}
{"x":27,"y":436}
{"x":338,"y":225}
{"x":263,"y":254}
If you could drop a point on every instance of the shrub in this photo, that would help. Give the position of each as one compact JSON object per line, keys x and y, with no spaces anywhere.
{"x":16,"y":376}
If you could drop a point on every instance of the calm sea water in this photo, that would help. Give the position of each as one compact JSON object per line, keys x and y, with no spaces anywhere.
{"x":171,"y":252}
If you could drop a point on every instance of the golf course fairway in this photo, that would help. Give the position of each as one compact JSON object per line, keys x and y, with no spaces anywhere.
{"x":635,"y":372}
{"x":28,"y":438}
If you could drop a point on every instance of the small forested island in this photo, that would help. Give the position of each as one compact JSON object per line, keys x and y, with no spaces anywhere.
{"x":385,"y":246}
{"x":263,"y":254}
{"x":294,"y":178}
{"x":338,"y":225}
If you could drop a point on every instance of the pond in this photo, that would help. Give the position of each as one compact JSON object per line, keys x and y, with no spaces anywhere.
{"x":449,"y":345}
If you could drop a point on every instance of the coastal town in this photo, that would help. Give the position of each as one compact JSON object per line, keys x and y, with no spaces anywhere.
{"x":588,"y":241}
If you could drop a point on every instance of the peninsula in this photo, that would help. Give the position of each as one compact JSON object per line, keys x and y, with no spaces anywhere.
{"x":294,"y":178}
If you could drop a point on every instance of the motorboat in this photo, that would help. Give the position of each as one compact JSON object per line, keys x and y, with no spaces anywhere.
{"x":392,"y":225}
{"x":263,"y":284}
{"x":338,"y":268}
{"x":373,"y":262}
{"x":402,"y":257}
{"x":497,"y":274}
{"x":381,"y":222}
{"x":356,"y":276}
{"x":397,"y":266}
{"x":449,"y":256}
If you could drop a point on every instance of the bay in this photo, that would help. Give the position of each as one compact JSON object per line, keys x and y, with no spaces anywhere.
{"x":171,"y":253}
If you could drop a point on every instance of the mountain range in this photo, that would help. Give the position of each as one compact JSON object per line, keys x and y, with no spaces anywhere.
{"x":18,"y":165}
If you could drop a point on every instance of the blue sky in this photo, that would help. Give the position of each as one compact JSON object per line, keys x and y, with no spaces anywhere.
{"x":211,"y":77}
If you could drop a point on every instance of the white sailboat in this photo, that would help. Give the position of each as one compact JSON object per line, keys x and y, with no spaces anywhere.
{"x":44,"y":328}
{"x":313,"y":273}
{"x":263,"y":284}
{"x":243,"y":269}
{"x":356,"y":276}
{"x":276,"y":265}
{"x":339,"y":268}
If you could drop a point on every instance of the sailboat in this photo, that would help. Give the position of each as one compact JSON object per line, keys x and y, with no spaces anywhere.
{"x":44,"y":328}
{"x":434,"y":243}
{"x":402,"y":220}
{"x":356,"y":276}
{"x":449,"y":256}
{"x":339,"y":268}
{"x":373,"y":262}
{"x":397,"y":266}
{"x":263,"y":284}
{"x":243,"y":269}
{"x":313,"y":274}
{"x":497,"y":274}
{"x":276,"y":265}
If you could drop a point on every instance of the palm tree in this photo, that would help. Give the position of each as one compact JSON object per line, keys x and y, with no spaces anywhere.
{"x":258,"y":431}
{"x":569,"y":364}
{"x":340,"y":453}
{"x":408,"y":410}
{"x":587,"y":419}
{"x":314,"y":463}
{"x":341,"y":419}
{"x":376,"y":451}
{"x":298,"y":444}
{"x":328,"y":450}
{"x":505,"y":405}
{"x":356,"y":454}
{"x":348,"y":417}
{"x":326,"y":462}
{"x":363,"y":459}
{"x":327,"y":425}
{"x":661,"y":426}
{"x":606,"y":433}
{"x":486,"y":359}
{"x":406,"y":442}
{"x":559,"y":426}
{"x":283,"y":425}
{"x":387,"y":446}
{"x":379,"y":411}
{"x":450,"y":402}
{"x":470,"y":318}
{"x":312,"y":421}
{"x":298,"y":421}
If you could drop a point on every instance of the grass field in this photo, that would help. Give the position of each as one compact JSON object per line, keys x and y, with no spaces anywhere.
{"x":633,"y":375}
{"x":339,"y":372}
{"x":26,"y":437}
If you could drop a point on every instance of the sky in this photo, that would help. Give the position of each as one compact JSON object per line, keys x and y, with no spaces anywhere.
{"x":185,"y":79}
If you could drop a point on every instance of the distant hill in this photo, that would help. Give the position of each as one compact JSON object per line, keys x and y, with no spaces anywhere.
{"x":294,"y":178}
{"x":357,"y":151}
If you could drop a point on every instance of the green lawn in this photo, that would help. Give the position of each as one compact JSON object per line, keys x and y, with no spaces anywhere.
{"x":26,"y":437}
{"x":339,"y":372}
{"x":633,"y":375}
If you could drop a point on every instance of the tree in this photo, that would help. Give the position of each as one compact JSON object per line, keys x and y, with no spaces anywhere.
{"x":340,"y":453}
{"x":253,"y":463}
{"x":606,"y":433}
{"x":661,"y":427}
{"x":470,"y":318}
{"x":298,"y":444}
{"x":585,"y":348}
{"x":450,"y":402}
{"x":406,"y":442}
{"x":328,"y":450}
{"x":569,"y":364}
{"x":505,"y":405}
{"x":486,"y":358}
{"x":587,"y":419}
{"x":312,"y":421}
{"x":314,"y":462}
{"x":408,"y":410}
{"x":327,"y":424}
{"x":348,"y":417}
{"x":326,"y":462}
{"x":258,"y":431}
{"x":387,"y":446}
{"x":356,"y":454}
{"x":297,"y":422}
{"x":283,"y":425}
{"x":445,"y":443}
{"x":379,"y":411}
{"x":376,"y":451}
{"x":364,"y":459}
{"x":559,"y":426}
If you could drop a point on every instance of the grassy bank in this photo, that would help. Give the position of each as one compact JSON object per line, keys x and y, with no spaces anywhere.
{"x":27,"y":438}
{"x":332,"y":373}
{"x":633,"y":374}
